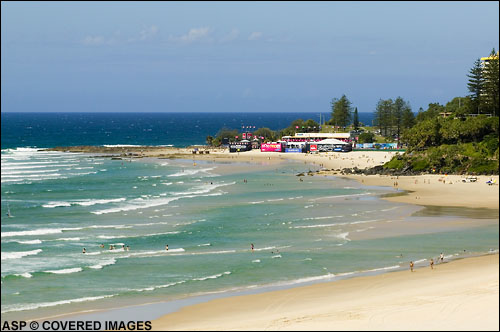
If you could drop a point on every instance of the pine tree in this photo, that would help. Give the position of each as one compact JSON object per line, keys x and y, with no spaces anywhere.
{"x":490,"y":74}
{"x":383,"y":117}
{"x":341,"y":112}
{"x":476,"y":85}
{"x":355,"y":120}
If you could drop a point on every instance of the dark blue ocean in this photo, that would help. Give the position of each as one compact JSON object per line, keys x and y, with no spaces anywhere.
{"x":45,"y":130}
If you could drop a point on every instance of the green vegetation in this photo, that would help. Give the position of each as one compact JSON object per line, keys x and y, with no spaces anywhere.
{"x":392,"y":117}
{"x":366,"y":137}
{"x":460,"y":137}
{"x":341,"y":112}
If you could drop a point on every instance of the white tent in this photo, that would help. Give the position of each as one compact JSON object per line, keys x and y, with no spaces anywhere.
{"x":331,"y":141}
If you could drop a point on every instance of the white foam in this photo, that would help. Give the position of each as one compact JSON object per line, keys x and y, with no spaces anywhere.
{"x":65,"y":271}
{"x":103,"y":263}
{"x":191,"y":172}
{"x":343,"y":236}
{"x":383,"y":268}
{"x":256,"y":261}
{"x":41,"y":231}
{"x":19,"y":254}
{"x":31,"y":306}
{"x":266,"y":248}
{"x":140,"y":203}
{"x":29,"y":241}
{"x":68,"y":239}
{"x":215,"y":276}
{"x":132,"y":235}
{"x":24,"y":275}
{"x":276,"y":256}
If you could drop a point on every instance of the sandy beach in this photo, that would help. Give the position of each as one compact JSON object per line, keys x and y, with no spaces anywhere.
{"x":460,"y":295}
{"x":457,"y":295}
{"x":428,"y":189}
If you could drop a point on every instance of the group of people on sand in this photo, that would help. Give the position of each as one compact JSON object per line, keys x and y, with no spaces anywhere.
{"x":431,"y":262}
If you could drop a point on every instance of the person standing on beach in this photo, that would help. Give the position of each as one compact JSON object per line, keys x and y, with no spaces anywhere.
{"x":411,"y":266}
{"x":432,"y":264}
{"x":441,"y":257}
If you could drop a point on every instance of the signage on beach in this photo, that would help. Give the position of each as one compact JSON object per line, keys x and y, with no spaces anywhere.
{"x":270,"y":147}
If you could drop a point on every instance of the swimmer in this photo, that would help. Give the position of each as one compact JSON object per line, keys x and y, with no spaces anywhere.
{"x":102,"y":245}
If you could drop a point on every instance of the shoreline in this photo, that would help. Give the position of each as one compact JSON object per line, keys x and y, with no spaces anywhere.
{"x":334,"y":160}
{"x":463,"y":292}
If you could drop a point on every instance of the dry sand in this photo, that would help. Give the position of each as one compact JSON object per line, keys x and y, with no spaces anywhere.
{"x":460,"y":295}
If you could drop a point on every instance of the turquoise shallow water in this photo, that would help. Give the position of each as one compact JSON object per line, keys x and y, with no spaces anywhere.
{"x":316,"y":230}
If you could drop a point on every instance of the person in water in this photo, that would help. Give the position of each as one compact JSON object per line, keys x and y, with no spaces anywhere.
{"x":166,"y":247}
{"x":84,"y":251}
{"x":102,"y":245}
{"x":128,"y":248}
{"x":252,"y":246}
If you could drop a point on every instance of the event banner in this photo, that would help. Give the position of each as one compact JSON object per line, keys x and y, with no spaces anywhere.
{"x":270,"y":147}
{"x":293,"y":150}
{"x":314,"y":147}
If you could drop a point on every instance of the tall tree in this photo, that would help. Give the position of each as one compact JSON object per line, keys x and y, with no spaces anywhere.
{"x":491,"y":91}
{"x":476,"y":84}
{"x":355,"y":120}
{"x":408,"y":118}
{"x":384,"y":117}
{"x":397,"y":110}
{"x":341,"y":112}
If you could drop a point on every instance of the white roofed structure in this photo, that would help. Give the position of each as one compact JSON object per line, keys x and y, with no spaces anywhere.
{"x":331,"y":141}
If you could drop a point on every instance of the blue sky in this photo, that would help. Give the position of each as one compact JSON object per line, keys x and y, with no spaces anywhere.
{"x":238,"y":56}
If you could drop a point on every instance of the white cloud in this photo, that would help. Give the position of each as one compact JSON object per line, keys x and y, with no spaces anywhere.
{"x":230,"y":36}
{"x":194,"y":34}
{"x":255,"y":35}
{"x":149,"y":32}
{"x":94,"y":40}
